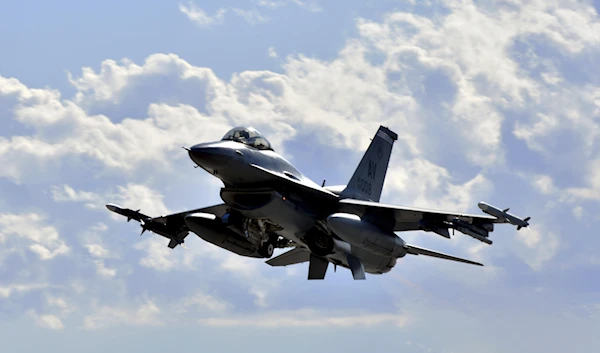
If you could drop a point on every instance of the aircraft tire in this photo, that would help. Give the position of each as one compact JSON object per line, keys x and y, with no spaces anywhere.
{"x":267,"y":249}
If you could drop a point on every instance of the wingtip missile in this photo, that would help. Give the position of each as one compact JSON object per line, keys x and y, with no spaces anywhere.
{"x":126,"y":212}
{"x":112,"y":207}
{"x":504,"y":216}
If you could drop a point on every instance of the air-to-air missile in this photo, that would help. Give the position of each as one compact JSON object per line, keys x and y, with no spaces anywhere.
{"x":130,"y":214}
{"x":504,"y":215}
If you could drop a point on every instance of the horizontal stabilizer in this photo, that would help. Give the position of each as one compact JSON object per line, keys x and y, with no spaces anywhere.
{"x":292,"y":257}
{"x":317,"y":267}
{"x":415,"y":250}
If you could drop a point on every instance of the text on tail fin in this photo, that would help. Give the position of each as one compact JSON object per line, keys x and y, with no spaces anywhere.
{"x":368,"y":178}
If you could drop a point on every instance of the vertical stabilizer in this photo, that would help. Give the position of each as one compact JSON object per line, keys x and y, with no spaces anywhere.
{"x":367,"y":181}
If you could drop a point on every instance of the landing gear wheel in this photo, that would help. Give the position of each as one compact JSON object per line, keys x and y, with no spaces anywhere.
{"x":267,"y":249}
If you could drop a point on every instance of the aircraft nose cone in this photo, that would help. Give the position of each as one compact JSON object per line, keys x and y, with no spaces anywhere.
{"x":208,"y":156}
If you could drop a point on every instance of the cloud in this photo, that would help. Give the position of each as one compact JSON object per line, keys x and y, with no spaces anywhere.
{"x":130,"y":195}
{"x":540,"y":246}
{"x":307,"y":318}
{"x":43,"y":240}
{"x":435,"y":187}
{"x":68,"y":194}
{"x":251,"y":16}
{"x":199,"y":16}
{"x":578,"y":212}
{"x":310,"y":5}
{"x":471,"y":108}
{"x":97,"y":250}
{"x":47,"y":321}
{"x":7,"y":290}
{"x":59,"y":304}
{"x":146,"y":314}
{"x":202,"y":19}
{"x":272,"y":53}
{"x":203,"y":302}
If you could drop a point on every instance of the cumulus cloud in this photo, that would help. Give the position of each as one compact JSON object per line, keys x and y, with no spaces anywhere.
{"x":199,"y":16}
{"x":308,"y":318}
{"x":146,"y":314}
{"x":202,"y":19}
{"x":272,"y":53}
{"x":421,"y":183}
{"x":47,"y":320}
{"x":311,"y":5}
{"x":131,"y":195}
{"x":454,"y":95}
{"x":251,"y":16}
{"x":43,"y":240}
{"x":202,"y":302}
{"x":540,"y":246}
{"x":7,"y":290}
{"x":578,"y":212}
{"x":59,"y":304}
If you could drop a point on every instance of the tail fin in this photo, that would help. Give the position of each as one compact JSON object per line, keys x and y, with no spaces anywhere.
{"x":367,"y":181}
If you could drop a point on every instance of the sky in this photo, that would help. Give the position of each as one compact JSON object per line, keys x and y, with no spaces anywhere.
{"x":495,"y":101}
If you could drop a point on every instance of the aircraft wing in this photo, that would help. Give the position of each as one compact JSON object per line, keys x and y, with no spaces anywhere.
{"x":415,"y":250}
{"x":217,"y":210}
{"x":402,"y":218}
{"x":170,"y":226}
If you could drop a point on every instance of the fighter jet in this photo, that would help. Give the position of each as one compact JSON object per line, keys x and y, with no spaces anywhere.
{"x":268,"y":204}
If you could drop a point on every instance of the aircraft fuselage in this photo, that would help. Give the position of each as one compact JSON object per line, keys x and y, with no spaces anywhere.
{"x":296,"y":215}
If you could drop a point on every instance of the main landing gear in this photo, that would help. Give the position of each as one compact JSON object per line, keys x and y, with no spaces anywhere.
{"x":269,"y":246}
{"x":266,"y":250}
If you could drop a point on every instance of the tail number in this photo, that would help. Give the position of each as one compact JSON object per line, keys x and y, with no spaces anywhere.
{"x":364,"y":186}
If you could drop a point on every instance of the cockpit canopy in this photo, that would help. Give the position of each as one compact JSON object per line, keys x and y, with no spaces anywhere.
{"x":248,"y":136}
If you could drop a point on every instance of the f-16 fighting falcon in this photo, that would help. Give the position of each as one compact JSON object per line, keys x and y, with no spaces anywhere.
{"x":269,"y":204}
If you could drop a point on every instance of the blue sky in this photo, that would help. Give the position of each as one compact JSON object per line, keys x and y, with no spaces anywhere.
{"x":495,"y":101}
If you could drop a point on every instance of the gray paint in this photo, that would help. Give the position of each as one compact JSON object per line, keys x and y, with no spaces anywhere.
{"x":269,"y":203}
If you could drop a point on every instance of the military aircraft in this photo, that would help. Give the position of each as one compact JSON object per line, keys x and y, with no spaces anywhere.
{"x":269,"y":204}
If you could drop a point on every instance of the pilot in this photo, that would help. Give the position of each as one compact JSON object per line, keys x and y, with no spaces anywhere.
{"x":242,"y":134}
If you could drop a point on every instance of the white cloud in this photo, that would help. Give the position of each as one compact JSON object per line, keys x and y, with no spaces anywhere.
{"x":43,"y":240}
{"x":540,"y":246}
{"x":419,"y":182}
{"x":272,"y":53}
{"x":96,"y":250}
{"x":310,"y":5}
{"x":147,"y":314}
{"x":199,"y":16}
{"x":47,"y":321}
{"x":104,"y":271}
{"x":543,"y":184}
{"x":67,"y":193}
{"x":59,"y":304}
{"x":7,"y":290}
{"x":248,"y":269}
{"x":578,"y":212}
{"x":446,"y":89}
{"x":308,"y":318}
{"x":158,"y":255}
{"x":251,"y":16}
{"x":130,"y":195}
{"x":203,"y":302}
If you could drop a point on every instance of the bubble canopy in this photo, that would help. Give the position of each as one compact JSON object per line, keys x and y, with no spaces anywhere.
{"x":248,"y":136}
